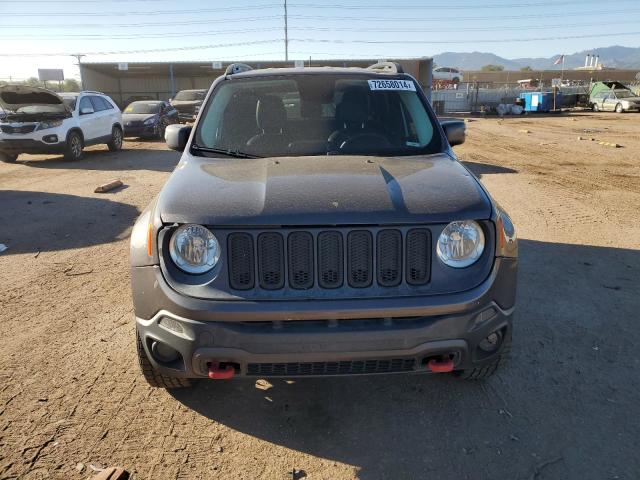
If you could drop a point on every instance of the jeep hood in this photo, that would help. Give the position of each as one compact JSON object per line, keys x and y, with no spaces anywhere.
{"x":18,"y":98}
{"x":321,"y":190}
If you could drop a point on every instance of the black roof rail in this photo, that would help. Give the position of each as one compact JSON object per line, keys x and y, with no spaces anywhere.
{"x":387,"y":67}
{"x":237,"y":68}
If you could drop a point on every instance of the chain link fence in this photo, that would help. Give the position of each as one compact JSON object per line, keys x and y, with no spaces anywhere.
{"x":478,"y":97}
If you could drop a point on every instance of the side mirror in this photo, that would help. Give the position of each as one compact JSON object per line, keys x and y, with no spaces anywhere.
{"x":455,"y":130}
{"x":176,"y":136}
{"x":86,"y":111}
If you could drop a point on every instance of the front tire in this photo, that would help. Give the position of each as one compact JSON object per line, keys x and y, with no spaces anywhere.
{"x":151,"y":375}
{"x":619,"y":108}
{"x":73,"y":148}
{"x":8,"y":157}
{"x":116,"y":140}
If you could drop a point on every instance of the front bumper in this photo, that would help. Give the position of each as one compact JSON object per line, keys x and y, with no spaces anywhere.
{"x":140,"y":131}
{"x":28,"y":145}
{"x":323,"y":337}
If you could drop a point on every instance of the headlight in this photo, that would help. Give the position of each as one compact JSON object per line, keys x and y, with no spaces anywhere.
{"x":194,"y":249}
{"x":150,"y":121}
{"x":461,"y":243}
{"x":49,"y":124}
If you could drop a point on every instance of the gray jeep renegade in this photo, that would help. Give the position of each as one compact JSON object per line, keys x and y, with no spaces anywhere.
{"x":319,"y":223}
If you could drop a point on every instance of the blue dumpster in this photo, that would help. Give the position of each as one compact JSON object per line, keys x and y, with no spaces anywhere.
{"x":540,"y":101}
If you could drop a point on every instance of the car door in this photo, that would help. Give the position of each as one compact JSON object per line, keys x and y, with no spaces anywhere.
{"x":87,"y":119}
{"x":609,"y":103}
{"x":170,"y":113}
{"x":102,"y":117}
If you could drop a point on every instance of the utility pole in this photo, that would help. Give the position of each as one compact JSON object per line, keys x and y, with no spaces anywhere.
{"x":286,"y":34}
{"x":78,"y":56}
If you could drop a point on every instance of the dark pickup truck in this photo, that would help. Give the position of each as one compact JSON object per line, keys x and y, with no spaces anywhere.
{"x":319,"y":223}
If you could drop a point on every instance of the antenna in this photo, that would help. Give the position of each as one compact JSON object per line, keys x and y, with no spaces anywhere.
{"x":286,"y":34}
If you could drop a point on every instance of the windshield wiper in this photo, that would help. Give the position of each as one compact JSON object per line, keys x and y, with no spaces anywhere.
{"x":231,"y":153}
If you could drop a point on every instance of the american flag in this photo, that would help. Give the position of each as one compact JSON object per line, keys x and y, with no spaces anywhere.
{"x":559,"y":60}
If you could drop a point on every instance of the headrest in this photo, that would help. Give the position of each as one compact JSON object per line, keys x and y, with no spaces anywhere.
{"x":270,"y":114}
{"x":353,"y":110}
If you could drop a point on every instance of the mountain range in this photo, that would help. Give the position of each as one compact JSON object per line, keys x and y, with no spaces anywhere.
{"x":614,"y":56}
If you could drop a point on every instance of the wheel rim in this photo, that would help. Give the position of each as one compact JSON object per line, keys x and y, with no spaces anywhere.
{"x":117,"y":138}
{"x":76,"y":147}
{"x":619,"y":108}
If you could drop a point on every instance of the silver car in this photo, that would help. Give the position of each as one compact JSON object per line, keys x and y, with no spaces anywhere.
{"x":619,"y":100}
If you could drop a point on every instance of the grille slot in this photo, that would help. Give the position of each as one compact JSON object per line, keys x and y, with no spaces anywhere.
{"x":241,"y":261}
{"x":360,"y":256}
{"x":18,"y":128}
{"x":418,"y":256}
{"x":300,"y":252}
{"x":389,"y":251}
{"x":332,"y":368}
{"x":330,"y":260}
{"x":271,"y":261}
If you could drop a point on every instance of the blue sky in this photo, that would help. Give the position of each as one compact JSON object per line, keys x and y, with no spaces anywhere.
{"x":253,"y":29}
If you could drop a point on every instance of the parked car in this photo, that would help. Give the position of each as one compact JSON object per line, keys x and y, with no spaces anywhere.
{"x":348,"y":240}
{"x":148,"y":118}
{"x":447,"y":73}
{"x":619,"y":100}
{"x":40,"y":121}
{"x":188,"y":103}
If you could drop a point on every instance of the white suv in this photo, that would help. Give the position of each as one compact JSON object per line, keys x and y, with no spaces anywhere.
{"x":37,"y":120}
{"x":447,"y":73}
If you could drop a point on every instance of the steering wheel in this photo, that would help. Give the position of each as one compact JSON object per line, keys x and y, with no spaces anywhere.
{"x":364,"y":141}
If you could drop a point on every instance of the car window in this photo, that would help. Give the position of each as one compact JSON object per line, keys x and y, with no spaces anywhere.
{"x":99,"y":104}
{"x":85,"y":102}
{"x":107,"y":104}
{"x":189,"y":95}
{"x":143,"y":107}
{"x":317,"y":115}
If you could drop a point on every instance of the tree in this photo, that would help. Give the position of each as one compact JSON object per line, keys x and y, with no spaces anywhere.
{"x":71,"y":85}
{"x":526,"y":69}
{"x":492,"y":68}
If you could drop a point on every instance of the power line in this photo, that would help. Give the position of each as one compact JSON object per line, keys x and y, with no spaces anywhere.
{"x":143,"y":35}
{"x":387,"y":19}
{"x":150,"y":50}
{"x":121,"y":13}
{"x":305,"y":29}
{"x":394,"y":6}
{"x":455,"y":42}
{"x":400,"y":6}
{"x":454,"y":20}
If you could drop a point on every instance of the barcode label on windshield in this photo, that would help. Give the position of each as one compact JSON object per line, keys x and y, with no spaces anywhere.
{"x":392,"y":85}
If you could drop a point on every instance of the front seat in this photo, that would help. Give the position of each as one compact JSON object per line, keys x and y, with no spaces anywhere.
{"x":271,"y":118}
{"x":354,"y":132}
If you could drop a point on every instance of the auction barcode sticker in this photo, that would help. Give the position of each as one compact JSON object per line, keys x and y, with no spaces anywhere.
{"x":392,"y":85}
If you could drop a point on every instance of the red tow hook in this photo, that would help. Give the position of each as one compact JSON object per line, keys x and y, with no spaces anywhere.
{"x":440,"y":366}
{"x":217,"y":373}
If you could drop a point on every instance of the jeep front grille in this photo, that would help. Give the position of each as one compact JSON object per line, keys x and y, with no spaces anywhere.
{"x":303,"y":259}
{"x":352,"y":367}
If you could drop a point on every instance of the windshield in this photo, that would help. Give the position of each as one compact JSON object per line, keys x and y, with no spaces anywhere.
{"x":189,"y":95}
{"x":70,"y":102}
{"x":143,"y":107}
{"x":318,"y":115}
{"x":624,"y":93}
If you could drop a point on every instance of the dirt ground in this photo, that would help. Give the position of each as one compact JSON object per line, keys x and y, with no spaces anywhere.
{"x":567,"y":406}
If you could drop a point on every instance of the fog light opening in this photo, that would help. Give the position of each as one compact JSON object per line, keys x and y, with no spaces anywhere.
{"x":164,"y":353}
{"x":491,"y":342}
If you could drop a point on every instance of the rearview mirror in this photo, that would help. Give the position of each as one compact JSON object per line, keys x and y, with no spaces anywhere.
{"x":455,"y":130}
{"x":176,"y":136}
